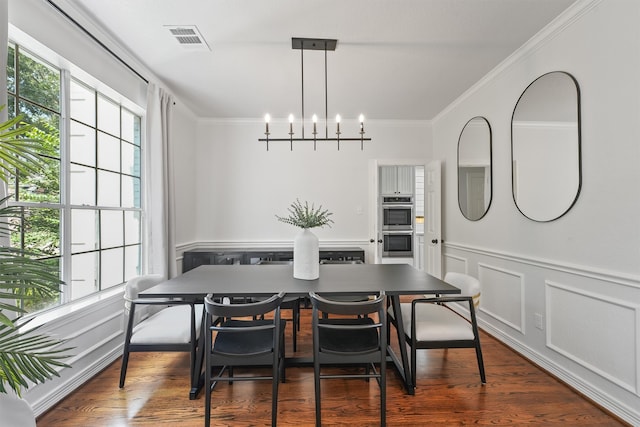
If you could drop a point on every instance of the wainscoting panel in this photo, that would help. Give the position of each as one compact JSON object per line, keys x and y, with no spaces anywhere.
{"x":502,"y":295}
{"x":608,"y":339}
{"x":455,"y":263}
{"x":581,"y":324}
{"x":96,"y":332}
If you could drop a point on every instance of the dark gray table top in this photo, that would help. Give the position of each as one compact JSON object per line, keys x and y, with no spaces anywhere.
{"x":262,"y":280}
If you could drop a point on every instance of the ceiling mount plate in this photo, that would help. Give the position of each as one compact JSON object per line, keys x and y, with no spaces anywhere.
{"x":313,"y":44}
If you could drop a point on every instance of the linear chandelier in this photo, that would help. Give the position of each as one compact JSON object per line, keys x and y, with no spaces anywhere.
{"x":314,"y":44}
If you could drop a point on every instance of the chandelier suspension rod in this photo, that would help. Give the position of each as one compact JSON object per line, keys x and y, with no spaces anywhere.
{"x":302,"y":73}
{"x":326,"y":97}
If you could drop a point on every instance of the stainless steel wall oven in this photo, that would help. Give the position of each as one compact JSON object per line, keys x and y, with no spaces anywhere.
{"x":397,"y":244}
{"x":397,"y":213}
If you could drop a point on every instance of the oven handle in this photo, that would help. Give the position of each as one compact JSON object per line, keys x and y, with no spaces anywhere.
{"x":406,"y":231}
{"x":392,"y":205}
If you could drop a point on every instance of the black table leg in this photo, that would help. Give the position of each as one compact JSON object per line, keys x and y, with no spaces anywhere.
{"x":403,"y":365}
{"x":197,"y":379}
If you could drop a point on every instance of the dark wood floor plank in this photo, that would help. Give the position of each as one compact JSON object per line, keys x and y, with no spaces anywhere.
{"x":449,"y":393}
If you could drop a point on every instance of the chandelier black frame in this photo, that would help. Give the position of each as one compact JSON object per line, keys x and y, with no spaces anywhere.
{"x":314,"y":44}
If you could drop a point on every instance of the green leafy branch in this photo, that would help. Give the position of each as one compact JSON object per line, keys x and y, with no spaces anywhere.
{"x":305,"y":216}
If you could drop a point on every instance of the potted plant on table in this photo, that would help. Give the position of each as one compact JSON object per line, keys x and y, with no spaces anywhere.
{"x":26,"y":357}
{"x":306,"y":254}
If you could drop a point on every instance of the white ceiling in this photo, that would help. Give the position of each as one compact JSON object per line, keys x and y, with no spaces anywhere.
{"x":396,"y":59}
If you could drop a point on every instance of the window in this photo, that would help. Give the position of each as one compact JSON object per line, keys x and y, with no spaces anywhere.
{"x":83,"y":212}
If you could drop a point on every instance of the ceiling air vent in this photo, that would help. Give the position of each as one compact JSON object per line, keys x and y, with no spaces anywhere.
{"x":188,"y":36}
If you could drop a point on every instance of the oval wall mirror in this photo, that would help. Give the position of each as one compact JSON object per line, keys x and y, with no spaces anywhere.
{"x":545,"y":147}
{"x":474,"y":168}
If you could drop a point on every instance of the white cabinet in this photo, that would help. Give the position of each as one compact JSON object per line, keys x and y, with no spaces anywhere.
{"x":396,"y":180}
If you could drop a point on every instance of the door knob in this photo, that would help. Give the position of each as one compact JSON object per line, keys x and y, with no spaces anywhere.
{"x":371,"y":240}
{"x":434,"y":241}
{"x":379,"y":240}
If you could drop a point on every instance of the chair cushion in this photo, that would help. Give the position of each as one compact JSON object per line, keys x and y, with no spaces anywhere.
{"x":171,"y":325}
{"x":436,"y":323}
{"x":469,"y":285}
{"x":348,"y":340}
{"x":249,"y":342}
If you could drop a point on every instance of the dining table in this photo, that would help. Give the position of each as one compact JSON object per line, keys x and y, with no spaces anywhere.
{"x":247,"y":280}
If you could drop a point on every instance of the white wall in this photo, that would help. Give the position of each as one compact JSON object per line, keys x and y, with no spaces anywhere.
{"x":241,"y":186}
{"x":578,"y":275}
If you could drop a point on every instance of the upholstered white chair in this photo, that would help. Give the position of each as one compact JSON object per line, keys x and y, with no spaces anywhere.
{"x":430,"y":323}
{"x":158,"y":324}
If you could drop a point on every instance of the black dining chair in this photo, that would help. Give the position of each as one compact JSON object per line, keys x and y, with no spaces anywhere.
{"x":343,"y":297}
{"x":243,"y":339}
{"x":289,"y":303}
{"x":353,"y":338}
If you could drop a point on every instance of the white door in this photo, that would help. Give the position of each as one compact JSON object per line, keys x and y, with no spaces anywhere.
{"x":432,"y":221}
{"x":379,"y":177}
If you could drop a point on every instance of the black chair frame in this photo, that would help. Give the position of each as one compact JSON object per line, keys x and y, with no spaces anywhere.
{"x":190,"y":347}
{"x":228,"y":329}
{"x":289,"y":303}
{"x":330,"y":333}
{"x":426,"y":345}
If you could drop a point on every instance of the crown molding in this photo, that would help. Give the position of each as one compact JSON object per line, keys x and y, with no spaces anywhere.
{"x":567,"y":18}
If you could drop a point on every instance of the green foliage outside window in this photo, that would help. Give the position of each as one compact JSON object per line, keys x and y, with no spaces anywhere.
{"x":25,"y":356}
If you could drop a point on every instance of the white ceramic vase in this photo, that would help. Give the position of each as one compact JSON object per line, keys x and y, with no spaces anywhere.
{"x":306,"y":256}
{"x":15,"y":412}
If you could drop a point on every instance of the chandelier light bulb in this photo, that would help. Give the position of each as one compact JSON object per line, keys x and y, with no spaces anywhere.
{"x":314,"y":118}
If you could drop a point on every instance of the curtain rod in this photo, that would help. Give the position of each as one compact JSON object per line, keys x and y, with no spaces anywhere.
{"x":95,"y":39}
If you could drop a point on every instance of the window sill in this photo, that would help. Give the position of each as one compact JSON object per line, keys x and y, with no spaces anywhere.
{"x":52,"y":314}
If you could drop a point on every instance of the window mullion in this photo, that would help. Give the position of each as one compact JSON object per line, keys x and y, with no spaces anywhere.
{"x":65,"y":179}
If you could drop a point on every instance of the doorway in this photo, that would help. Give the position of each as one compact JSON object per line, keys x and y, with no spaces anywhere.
{"x":423,"y":256}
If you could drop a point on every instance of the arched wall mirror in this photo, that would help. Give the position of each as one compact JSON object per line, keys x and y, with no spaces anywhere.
{"x":545,"y":147}
{"x":474,"y":168}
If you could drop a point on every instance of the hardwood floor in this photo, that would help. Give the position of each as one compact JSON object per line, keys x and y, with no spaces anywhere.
{"x":449,"y":393}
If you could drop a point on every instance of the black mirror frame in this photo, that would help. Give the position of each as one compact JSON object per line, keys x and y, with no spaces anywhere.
{"x":490,"y":167}
{"x":579,"y":119}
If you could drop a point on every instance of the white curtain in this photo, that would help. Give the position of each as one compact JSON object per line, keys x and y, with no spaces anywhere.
{"x":159,"y":235}
{"x":4,"y":40}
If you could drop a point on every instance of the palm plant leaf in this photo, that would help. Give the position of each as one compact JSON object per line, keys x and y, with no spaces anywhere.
{"x":28,"y":356}
{"x":7,"y":213}
{"x":25,"y":357}
{"x":23,"y":277}
{"x":17,"y":152}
